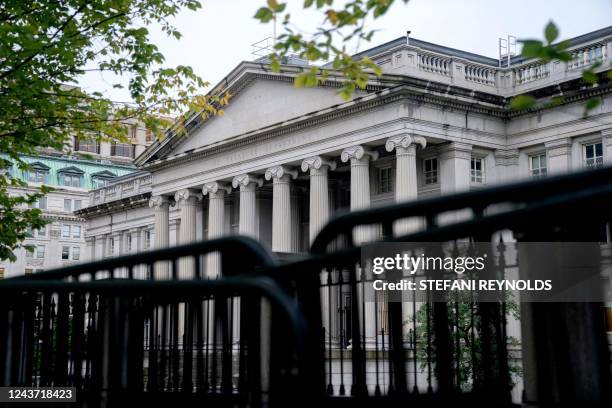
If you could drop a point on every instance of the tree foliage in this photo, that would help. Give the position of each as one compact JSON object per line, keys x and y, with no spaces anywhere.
{"x":464,"y":328}
{"x":45,"y":49}
{"x":547,"y":51}
{"x":328,"y":43}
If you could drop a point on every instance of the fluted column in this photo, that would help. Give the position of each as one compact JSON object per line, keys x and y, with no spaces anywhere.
{"x":360,"y":184}
{"x":187,"y":201}
{"x":247,"y":224}
{"x":216,"y":192}
{"x":161,"y":205}
{"x":360,"y":199}
{"x":319,"y":205}
{"x":406,"y":188}
{"x":281,"y":207}
{"x":319,"y":192}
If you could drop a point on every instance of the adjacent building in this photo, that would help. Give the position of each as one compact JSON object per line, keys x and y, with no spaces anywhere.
{"x":90,"y":165}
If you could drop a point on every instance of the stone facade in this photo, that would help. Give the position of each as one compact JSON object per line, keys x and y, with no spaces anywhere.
{"x":63,"y":242}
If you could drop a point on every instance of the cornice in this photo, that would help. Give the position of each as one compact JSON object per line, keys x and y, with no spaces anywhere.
{"x":356,"y":106}
{"x":127,"y":203}
{"x":388,"y":89}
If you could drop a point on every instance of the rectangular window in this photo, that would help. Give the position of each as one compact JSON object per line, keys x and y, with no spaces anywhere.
{"x":65,"y":252}
{"x":76,"y":231}
{"x":122,"y":149}
{"x":430,"y":170}
{"x":67,"y":204}
{"x":76,"y":253}
{"x":41,"y":203}
{"x":537,"y":165}
{"x":89,"y":146}
{"x":28,"y":271}
{"x":40,"y":251}
{"x":70,"y":180}
{"x":129,"y":242}
{"x":29,"y":233}
{"x":384,"y":180}
{"x":41,"y":232}
{"x":65,"y":231}
{"x":30,"y":254}
{"x":592,"y":155}
{"x":77,"y":205}
{"x":38,"y":176}
{"x":477,"y":170}
{"x":111,"y":244}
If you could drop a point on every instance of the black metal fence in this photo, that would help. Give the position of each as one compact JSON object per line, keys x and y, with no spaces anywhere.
{"x":152,"y":326}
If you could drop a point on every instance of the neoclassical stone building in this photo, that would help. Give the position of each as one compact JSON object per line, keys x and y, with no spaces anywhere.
{"x":282,"y":160}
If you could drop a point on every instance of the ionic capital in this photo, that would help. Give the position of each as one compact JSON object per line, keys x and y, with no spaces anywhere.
{"x":215,"y":188}
{"x":158,"y":202}
{"x":186,"y":195}
{"x":358,"y":153}
{"x":316,"y":163}
{"x":244,"y":180}
{"x":404,"y":142}
{"x":280,"y":172}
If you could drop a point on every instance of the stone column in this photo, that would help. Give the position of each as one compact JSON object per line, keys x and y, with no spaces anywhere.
{"x":559,"y":156}
{"x":507,"y":165}
{"x":161,"y":205}
{"x":216,"y":192}
{"x":406,"y":187}
{"x":248,"y":217}
{"x":455,"y":176}
{"x":319,"y":192}
{"x":90,"y":249}
{"x":187,"y":201}
{"x":455,"y":159}
{"x":360,"y":199}
{"x":282,"y":237}
{"x":101,"y":246}
{"x":360,"y":185}
{"x":319,"y":208}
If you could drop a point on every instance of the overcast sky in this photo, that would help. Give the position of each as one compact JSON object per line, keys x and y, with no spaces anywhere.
{"x":219,"y":36}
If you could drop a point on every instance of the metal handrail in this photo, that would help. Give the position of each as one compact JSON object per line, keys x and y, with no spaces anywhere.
{"x":252,"y":253}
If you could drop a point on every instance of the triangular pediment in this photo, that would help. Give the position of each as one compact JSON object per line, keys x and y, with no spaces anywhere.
{"x":260,"y":100}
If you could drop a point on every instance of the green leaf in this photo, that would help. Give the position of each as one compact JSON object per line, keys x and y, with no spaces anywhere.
{"x":551,"y":32}
{"x":264,"y":14}
{"x":589,"y":77}
{"x":522,"y":102}
{"x":591,"y":104}
{"x":532,"y":48}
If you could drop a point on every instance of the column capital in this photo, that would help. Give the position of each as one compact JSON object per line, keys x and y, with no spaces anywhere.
{"x":187,"y":195}
{"x":244,"y":180}
{"x":158,"y":202}
{"x":404,"y":142}
{"x":214,"y":188}
{"x":316,"y":163}
{"x":358,"y":153}
{"x":280,"y":172}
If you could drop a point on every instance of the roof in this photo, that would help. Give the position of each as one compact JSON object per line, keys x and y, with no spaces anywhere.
{"x":414,"y":42}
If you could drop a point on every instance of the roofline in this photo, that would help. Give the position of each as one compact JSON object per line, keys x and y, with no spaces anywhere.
{"x":415,"y":42}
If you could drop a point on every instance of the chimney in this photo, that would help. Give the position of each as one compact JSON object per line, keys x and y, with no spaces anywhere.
{"x":408,"y":37}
